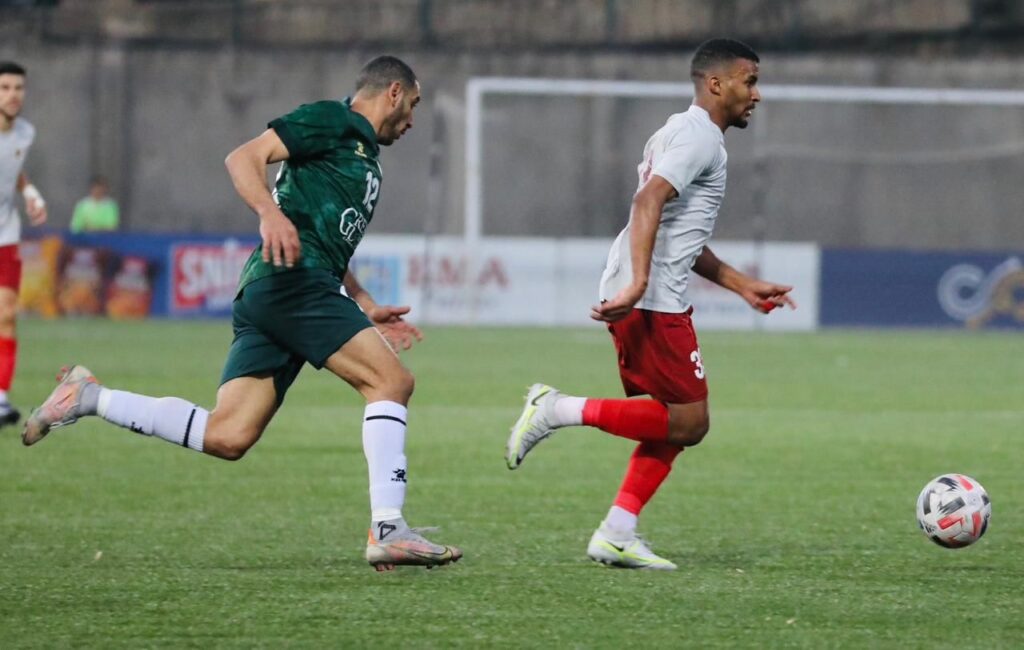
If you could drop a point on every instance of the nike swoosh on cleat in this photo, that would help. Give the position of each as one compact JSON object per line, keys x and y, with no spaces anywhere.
{"x":397,"y":553}
{"x":620,"y":549}
{"x":542,"y":394}
{"x":433,"y":557}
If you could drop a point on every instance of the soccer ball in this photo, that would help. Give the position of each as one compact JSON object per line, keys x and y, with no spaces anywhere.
{"x":953,"y":510}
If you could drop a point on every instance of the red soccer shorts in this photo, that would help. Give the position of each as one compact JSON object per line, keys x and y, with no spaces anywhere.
{"x":659,"y":356}
{"x":10,"y":267}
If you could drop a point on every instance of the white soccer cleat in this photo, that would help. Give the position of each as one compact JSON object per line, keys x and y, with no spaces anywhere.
{"x":61,"y":408}
{"x":533,"y":425}
{"x":624,"y":549}
{"x":392,"y":545}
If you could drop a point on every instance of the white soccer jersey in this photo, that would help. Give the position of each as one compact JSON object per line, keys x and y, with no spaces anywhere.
{"x":14,"y":146}
{"x":689,"y":153}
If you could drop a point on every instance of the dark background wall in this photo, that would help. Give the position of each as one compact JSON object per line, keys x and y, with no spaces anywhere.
{"x":154,"y":93}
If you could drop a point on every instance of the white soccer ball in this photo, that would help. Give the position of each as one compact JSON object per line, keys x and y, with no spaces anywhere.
{"x":953,"y":510}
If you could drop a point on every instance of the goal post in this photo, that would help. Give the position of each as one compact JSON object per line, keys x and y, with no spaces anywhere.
{"x":478,"y":89}
{"x":547,"y":173}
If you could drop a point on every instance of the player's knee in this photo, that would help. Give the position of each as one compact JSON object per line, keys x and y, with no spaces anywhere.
{"x":698,"y":431}
{"x":234,"y":452}
{"x":231,"y":446}
{"x":689,"y":433}
{"x":408,"y":384}
{"x":232,"y":449}
{"x":402,"y":385}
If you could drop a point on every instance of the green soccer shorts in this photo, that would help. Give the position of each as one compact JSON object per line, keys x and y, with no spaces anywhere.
{"x":287,"y":319}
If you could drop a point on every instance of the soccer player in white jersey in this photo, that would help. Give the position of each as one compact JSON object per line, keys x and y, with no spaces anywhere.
{"x":644,"y":301}
{"x":16,"y":136}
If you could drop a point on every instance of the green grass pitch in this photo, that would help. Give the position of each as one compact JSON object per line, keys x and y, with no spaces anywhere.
{"x":793,"y":523}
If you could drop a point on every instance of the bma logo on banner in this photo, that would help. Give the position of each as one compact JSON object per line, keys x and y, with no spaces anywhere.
{"x":976,"y":297}
{"x":204,"y":277}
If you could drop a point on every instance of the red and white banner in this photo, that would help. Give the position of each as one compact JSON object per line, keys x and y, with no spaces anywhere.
{"x":204,"y":277}
{"x":534,"y":281}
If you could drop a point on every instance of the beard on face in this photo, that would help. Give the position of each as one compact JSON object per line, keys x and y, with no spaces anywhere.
{"x":390,"y":130}
{"x":742,"y":120}
{"x":389,"y":135}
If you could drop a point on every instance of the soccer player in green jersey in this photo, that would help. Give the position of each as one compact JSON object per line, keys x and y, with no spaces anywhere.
{"x":290,"y":309}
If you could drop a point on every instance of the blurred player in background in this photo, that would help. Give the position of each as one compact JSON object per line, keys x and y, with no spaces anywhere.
{"x":644,"y":301}
{"x":16,"y":136}
{"x":290,"y":309}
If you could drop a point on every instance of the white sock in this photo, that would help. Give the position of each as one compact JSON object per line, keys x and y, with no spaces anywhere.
{"x":569,"y":411}
{"x":170,"y":418}
{"x":3,"y":397}
{"x":384,"y":446}
{"x":621,"y":519}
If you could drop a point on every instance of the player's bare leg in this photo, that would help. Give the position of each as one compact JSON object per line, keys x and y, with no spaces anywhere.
{"x":688,"y":423}
{"x":245,"y":406}
{"x":8,"y":353}
{"x":372,"y":368}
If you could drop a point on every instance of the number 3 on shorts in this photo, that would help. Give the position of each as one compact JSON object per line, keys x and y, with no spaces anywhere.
{"x":697,"y":361}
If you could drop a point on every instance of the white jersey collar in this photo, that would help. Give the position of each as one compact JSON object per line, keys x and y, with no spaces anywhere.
{"x":705,"y":117}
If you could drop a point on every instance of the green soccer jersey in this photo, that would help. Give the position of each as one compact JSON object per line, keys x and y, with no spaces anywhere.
{"x":328,"y":187}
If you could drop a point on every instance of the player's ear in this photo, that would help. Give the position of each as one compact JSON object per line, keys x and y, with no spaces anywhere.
{"x":714,"y":84}
{"x":395,"y":91}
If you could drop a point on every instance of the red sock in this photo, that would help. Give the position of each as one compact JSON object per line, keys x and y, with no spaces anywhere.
{"x":636,"y":419}
{"x":8,"y":355}
{"x":650,"y":464}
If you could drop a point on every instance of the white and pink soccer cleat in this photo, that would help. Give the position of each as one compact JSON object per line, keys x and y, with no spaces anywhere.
{"x":61,"y":408}
{"x":392,"y":545}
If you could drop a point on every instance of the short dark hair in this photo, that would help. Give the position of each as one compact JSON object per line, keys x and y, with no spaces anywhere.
{"x":713,"y":53}
{"x":380,"y":72}
{"x":10,"y":67}
{"x":99,"y":179}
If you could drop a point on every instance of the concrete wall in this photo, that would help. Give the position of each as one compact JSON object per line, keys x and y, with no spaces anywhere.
{"x":159,"y":117}
{"x":525,"y":24}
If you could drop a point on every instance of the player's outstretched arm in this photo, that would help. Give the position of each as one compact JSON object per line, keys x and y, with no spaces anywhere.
{"x":759,"y":294}
{"x":389,"y":320}
{"x":247,"y":166}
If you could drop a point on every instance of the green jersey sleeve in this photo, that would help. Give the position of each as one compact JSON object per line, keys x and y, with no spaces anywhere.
{"x":312,"y":129}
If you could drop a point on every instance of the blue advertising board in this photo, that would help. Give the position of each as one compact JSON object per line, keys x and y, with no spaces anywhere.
{"x":196,"y":276}
{"x":193,"y":275}
{"x":922,"y":289}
